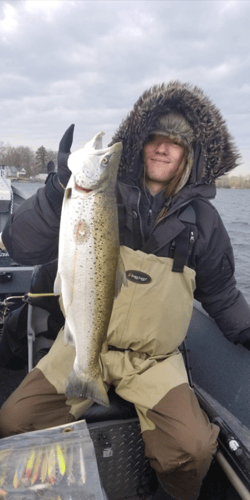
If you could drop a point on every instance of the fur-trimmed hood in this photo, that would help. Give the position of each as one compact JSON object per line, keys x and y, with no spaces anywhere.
{"x":214,"y":149}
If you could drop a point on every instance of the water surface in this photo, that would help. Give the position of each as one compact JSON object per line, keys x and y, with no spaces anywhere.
{"x":234,"y":208}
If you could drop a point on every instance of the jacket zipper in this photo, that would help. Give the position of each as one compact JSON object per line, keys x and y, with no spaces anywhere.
{"x":167,"y":205}
{"x":149,"y":217}
{"x":139,"y":215}
{"x":191,"y":240}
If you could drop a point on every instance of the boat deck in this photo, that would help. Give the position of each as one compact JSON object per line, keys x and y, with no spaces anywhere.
{"x":216,"y":485}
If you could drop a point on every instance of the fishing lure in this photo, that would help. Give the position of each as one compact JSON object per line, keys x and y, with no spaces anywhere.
{"x":44,"y":466}
{"x":39,"y":487}
{"x":16,"y":480}
{"x":52,"y":465}
{"x":37,"y":467}
{"x":61,"y":460}
{"x":29,"y":466}
{"x":19,"y":471}
{"x":70,"y":462}
{"x":3,"y":466}
{"x":3,"y":476}
{"x":82,"y":469}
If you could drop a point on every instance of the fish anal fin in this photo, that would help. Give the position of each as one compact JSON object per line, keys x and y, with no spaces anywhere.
{"x":90,"y":389}
{"x":68,"y":337}
{"x":121,"y":278}
{"x":104,"y":347}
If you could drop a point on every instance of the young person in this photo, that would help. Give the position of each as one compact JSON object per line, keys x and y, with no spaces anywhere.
{"x":175,"y":144}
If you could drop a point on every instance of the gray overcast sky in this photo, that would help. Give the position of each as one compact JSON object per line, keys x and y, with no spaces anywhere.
{"x":86,"y":62}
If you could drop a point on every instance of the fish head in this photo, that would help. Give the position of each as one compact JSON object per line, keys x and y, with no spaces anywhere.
{"x":93,"y":167}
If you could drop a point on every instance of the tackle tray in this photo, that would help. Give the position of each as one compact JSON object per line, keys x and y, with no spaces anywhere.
{"x":53,"y":464}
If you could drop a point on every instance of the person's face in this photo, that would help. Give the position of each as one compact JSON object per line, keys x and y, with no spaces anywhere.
{"x":162,"y":159}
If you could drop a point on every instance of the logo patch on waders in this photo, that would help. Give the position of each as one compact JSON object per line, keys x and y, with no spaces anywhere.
{"x":138,"y":277}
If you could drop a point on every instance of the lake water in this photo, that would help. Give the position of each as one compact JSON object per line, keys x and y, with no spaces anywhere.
{"x":234,"y":208}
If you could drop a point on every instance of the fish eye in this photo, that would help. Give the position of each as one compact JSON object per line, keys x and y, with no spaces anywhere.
{"x":105,"y":160}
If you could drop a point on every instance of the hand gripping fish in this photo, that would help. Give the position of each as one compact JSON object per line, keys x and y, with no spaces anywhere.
{"x":90,"y":270}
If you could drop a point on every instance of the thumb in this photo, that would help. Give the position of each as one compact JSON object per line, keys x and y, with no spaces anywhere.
{"x":67,"y":139}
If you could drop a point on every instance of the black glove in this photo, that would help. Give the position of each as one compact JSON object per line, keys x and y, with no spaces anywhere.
{"x":63,"y":172}
{"x":244,"y":338}
{"x":57,"y":182}
{"x":247,"y":344}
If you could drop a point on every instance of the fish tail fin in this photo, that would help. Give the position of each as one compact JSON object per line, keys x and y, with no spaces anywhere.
{"x":90,"y":389}
{"x":121,"y":278}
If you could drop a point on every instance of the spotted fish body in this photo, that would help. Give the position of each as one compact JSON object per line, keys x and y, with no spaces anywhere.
{"x":90,"y":271}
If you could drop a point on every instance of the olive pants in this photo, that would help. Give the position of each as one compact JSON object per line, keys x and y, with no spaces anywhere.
{"x":179,"y":439}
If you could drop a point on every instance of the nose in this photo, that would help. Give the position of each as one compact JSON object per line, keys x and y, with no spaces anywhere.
{"x":162,"y":148}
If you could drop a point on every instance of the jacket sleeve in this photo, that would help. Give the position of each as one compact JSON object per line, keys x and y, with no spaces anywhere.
{"x":215,"y":280}
{"x":31,"y":233}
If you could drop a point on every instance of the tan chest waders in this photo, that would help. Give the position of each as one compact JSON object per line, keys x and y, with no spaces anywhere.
{"x":153,"y":312}
{"x":149,"y":321}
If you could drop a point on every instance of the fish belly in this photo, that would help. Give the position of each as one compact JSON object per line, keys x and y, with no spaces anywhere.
{"x":88,"y":253}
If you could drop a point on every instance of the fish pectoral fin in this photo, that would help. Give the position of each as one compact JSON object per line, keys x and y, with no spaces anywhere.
{"x":121,"y":278}
{"x":81,"y":387}
{"x":68,"y":193}
{"x":68,"y":337}
{"x":57,"y":284}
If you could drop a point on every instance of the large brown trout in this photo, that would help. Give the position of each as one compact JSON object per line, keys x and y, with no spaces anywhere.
{"x":90,"y":271}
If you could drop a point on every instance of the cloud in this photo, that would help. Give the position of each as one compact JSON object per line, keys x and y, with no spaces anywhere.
{"x":86,"y":62}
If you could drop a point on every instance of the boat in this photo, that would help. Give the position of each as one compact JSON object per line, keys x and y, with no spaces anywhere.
{"x":14,"y":277}
{"x":219,"y":373}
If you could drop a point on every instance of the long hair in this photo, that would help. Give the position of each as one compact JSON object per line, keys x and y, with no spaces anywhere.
{"x":172,"y":184}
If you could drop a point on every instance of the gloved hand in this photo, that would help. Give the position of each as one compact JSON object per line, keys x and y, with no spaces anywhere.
{"x":247,"y":344}
{"x":63,"y":172}
{"x":244,"y":338}
{"x":2,"y":247}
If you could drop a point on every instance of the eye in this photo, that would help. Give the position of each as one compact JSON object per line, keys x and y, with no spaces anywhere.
{"x":177,"y":143}
{"x":150,"y":138}
{"x":105,"y":160}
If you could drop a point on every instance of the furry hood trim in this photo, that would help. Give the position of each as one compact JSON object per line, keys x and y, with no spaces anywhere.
{"x":209,"y":130}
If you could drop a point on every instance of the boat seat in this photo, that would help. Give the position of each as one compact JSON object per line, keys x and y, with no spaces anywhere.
{"x":37,"y":326}
{"x":44,"y":315}
{"x":119,"y":409}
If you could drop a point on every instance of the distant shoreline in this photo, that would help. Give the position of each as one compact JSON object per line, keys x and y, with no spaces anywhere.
{"x":233,"y":183}
{"x":232,"y":187}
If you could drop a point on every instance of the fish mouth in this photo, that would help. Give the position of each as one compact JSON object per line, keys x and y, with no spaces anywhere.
{"x":79,"y":188}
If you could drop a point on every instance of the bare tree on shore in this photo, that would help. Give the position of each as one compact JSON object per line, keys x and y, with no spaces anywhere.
{"x":23,"y":157}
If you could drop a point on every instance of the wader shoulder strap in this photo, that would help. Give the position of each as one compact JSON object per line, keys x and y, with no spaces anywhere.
{"x":184,"y":239}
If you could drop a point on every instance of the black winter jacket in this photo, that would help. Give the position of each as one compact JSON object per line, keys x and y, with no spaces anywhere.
{"x":31,"y":237}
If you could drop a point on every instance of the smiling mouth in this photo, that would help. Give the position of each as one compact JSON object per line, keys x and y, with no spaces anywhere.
{"x":159,"y":161}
